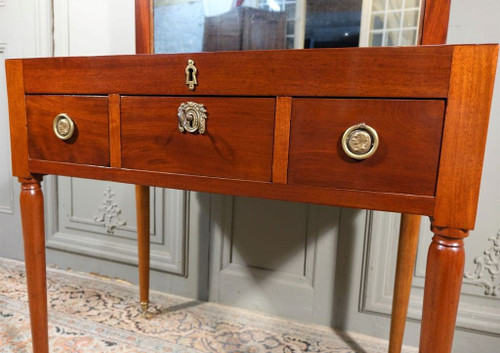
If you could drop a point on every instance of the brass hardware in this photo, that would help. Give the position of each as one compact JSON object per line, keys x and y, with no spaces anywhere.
{"x":144,"y":310}
{"x":192,"y":117}
{"x":63,"y":126}
{"x":360,"y":141}
{"x":191,"y":72}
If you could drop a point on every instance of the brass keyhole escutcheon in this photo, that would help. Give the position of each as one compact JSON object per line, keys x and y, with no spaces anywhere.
{"x":191,"y":117}
{"x":360,"y":141}
{"x":191,"y":72}
{"x":63,"y":126}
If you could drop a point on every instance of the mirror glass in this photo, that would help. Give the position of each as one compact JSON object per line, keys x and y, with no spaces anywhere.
{"x":182,"y":26}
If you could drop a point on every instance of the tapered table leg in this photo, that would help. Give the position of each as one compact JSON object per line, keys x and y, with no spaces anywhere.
{"x":407,"y":252}
{"x":445,"y":267}
{"x":31,"y":200}
{"x":142,"y":205}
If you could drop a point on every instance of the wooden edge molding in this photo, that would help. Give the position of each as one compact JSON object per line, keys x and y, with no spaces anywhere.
{"x":450,"y":233}
{"x":434,"y":21}
{"x":18,"y":120}
{"x":115,"y":144}
{"x":281,"y":139}
{"x":415,"y":204}
{"x":464,"y":137}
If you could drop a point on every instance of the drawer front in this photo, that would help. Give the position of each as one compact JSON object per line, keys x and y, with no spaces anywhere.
{"x":406,"y":160}
{"x":89,"y":143}
{"x":236,"y":144}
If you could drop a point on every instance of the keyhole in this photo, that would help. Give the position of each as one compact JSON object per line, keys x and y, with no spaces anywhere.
{"x":191,"y":75}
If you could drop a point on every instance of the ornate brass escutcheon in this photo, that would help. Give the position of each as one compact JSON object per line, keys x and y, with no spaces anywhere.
{"x":191,"y":72}
{"x":192,"y":117}
{"x":360,"y":141}
{"x":63,"y":126}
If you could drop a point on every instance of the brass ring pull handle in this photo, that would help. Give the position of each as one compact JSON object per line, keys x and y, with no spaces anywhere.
{"x":360,"y":141}
{"x":191,"y":117}
{"x":63,"y":126}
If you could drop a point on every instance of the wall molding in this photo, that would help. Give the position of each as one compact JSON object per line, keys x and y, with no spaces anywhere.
{"x":109,"y":214}
{"x":487,"y":272}
{"x":7,"y":208}
{"x":44,"y":27}
{"x":381,"y":238}
{"x":167,"y":255}
{"x":61,"y":28}
{"x":77,"y":223}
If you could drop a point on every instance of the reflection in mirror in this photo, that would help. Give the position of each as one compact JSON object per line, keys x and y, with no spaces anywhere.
{"x":390,"y":22}
{"x":182,"y":26}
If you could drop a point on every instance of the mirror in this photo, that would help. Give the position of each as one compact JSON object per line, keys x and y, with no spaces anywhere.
{"x":182,"y":26}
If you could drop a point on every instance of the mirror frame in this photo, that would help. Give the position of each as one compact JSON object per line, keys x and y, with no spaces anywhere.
{"x":433,"y":24}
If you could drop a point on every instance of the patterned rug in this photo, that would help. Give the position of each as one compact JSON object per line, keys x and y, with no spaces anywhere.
{"x":94,"y":314}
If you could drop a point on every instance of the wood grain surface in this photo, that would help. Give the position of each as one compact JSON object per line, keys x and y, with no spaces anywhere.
{"x":434,"y":21}
{"x":90,"y":142}
{"x":347,"y":72}
{"x":409,"y":233}
{"x":143,"y":241}
{"x":423,"y":205}
{"x":281,"y":139}
{"x":115,"y":137}
{"x":405,"y":162}
{"x":443,"y":280}
{"x":18,"y":121}
{"x":237,"y":144}
{"x":144,"y":29}
{"x":31,"y":203}
{"x":464,"y":138}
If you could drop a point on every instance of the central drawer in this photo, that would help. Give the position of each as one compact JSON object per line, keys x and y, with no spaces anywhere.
{"x":237,"y":142}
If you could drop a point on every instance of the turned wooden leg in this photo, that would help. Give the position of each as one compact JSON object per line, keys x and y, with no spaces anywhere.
{"x":445,"y":267}
{"x":142,"y":205}
{"x":407,"y":252}
{"x":31,"y":200}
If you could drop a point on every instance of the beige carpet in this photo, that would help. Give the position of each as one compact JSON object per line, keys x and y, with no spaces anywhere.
{"x":92,"y":314}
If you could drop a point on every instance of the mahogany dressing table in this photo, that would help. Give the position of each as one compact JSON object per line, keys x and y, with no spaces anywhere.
{"x":395,"y":129}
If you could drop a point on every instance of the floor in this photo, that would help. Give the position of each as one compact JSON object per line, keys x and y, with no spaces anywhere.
{"x":95,"y":314}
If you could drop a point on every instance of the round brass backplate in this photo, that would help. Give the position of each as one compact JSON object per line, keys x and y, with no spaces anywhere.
{"x":63,"y":126}
{"x":360,"y":141}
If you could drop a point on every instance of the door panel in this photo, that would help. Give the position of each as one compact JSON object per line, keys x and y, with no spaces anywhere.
{"x":285,"y":251}
{"x":273,"y":256}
